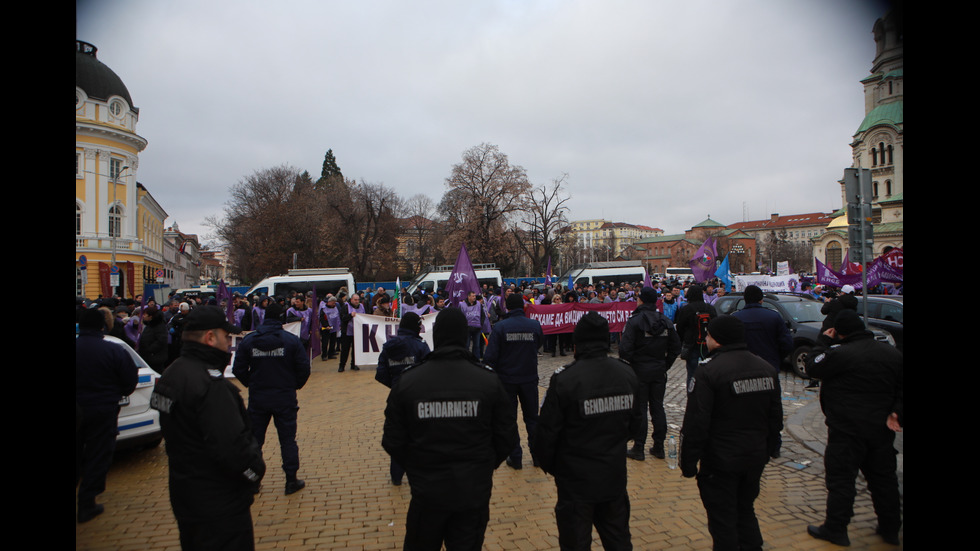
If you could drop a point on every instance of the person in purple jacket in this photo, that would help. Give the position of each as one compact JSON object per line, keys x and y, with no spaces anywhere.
{"x":475,"y":320}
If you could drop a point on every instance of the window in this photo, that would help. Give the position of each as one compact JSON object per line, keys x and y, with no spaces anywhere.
{"x":115,"y":168}
{"x":78,"y":219}
{"x":115,"y":221}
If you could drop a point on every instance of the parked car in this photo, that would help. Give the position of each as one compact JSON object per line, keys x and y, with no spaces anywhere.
{"x":802,"y":316}
{"x":886,"y":312}
{"x":139,"y":425}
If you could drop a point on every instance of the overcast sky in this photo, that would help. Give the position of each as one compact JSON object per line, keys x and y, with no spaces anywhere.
{"x":660,"y":112}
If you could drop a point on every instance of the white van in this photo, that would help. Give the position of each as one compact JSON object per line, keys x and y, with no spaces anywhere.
{"x":620,"y":271}
{"x":436,"y":277}
{"x":304,"y":280}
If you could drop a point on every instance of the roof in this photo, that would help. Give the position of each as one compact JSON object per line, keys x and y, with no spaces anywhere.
{"x":97,"y":79}
{"x":788,"y":221}
{"x":888,"y":114}
{"x":709,"y":223}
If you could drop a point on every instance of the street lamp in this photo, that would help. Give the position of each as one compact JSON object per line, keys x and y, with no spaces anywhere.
{"x":114,"y":228}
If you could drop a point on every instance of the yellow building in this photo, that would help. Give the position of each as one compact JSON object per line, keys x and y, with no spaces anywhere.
{"x":117,"y":221}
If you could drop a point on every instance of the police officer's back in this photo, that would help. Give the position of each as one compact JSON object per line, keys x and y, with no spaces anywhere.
{"x":450,"y":424}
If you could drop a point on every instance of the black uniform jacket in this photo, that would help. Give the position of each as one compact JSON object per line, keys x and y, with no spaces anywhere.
{"x":649,"y":343}
{"x":450,"y":423}
{"x":734,"y":413}
{"x":589,"y":413}
{"x":215,"y":462}
{"x":861,"y":383}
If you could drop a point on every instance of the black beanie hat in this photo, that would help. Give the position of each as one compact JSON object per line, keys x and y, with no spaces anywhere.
{"x":592,"y":328}
{"x":92,"y":319}
{"x":753,"y":294}
{"x":273,"y":311}
{"x":450,"y":328}
{"x":848,"y":323}
{"x":411,"y":322}
{"x":648,"y":295}
{"x":726,"y":329}
{"x":515,"y":301}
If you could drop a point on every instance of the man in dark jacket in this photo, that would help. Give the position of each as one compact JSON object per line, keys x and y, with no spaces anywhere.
{"x":766,"y":333}
{"x":513,"y":353}
{"x":589,"y":413}
{"x":449,"y":422}
{"x":153,"y":339}
{"x":104,"y":373}
{"x":397,"y":353}
{"x":862,"y":395}
{"x":731,"y":426}
{"x":692,"y":322}
{"x":215,"y":462}
{"x":273,"y":364}
{"x":650,"y":344}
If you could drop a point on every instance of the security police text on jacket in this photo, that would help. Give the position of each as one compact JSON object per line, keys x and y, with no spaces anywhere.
{"x":272,"y":363}
{"x":517,"y":361}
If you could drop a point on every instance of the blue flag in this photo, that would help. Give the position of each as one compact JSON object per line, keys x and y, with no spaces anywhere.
{"x":722,"y":274}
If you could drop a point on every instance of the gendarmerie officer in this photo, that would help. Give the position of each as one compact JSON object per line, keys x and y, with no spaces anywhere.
{"x":215,"y":463}
{"x":589,"y":413}
{"x":449,"y":423}
{"x":273,"y":364}
{"x":862,"y":395}
{"x":731,"y":426}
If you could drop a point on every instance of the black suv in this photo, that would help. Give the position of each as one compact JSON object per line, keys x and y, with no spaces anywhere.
{"x":801,"y":314}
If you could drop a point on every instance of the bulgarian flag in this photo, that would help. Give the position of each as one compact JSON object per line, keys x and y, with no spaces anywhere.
{"x":395,"y":302}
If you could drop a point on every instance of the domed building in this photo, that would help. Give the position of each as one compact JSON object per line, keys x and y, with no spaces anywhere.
{"x":118,"y":225}
{"x":878,"y":145}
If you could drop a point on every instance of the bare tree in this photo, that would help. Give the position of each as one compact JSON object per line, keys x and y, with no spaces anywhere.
{"x":421,"y":231}
{"x":543,"y":216}
{"x":366,"y":219}
{"x":484,"y":190}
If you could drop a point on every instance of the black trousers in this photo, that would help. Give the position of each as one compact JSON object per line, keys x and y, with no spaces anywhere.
{"x":729,"y":500}
{"x":876,"y":459}
{"x":94,"y":446}
{"x":346,"y":350}
{"x":611,"y":519}
{"x":428,"y":527}
{"x":233,"y":532}
{"x":285,"y":421}
{"x":651,"y":395}
{"x":527,"y":395}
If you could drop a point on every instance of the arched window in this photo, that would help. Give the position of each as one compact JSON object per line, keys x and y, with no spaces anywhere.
{"x":888,"y":188}
{"x":78,"y":219}
{"x":115,"y":220}
{"x":874,"y":190}
{"x":874,"y":157}
{"x":890,"y":149}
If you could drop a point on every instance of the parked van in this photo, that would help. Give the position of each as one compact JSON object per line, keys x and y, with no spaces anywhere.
{"x":325,"y":280}
{"x":203,"y":291}
{"x":592,"y":273}
{"x":435,"y":278}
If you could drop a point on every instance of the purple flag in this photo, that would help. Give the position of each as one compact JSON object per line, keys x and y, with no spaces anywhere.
{"x":223,"y":293}
{"x":462,"y":279}
{"x":547,"y":279}
{"x":314,"y":336}
{"x":703,"y":263}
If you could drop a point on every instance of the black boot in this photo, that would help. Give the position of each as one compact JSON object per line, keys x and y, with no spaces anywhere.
{"x":294,"y":485}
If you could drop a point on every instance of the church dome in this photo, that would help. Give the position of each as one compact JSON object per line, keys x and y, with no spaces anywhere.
{"x":95,"y":78}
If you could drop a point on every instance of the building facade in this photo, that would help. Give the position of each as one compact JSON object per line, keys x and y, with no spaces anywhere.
{"x":878,"y":145}
{"x":118,"y":225}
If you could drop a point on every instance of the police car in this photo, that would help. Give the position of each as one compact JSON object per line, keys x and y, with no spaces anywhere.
{"x":139,"y":425}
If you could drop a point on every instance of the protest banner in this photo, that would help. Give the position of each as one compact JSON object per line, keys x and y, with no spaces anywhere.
{"x":769,"y":284}
{"x":371,"y":332}
{"x":561,"y":318}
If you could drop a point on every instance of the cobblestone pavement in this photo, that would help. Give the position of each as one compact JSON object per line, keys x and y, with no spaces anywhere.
{"x":349,"y":503}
